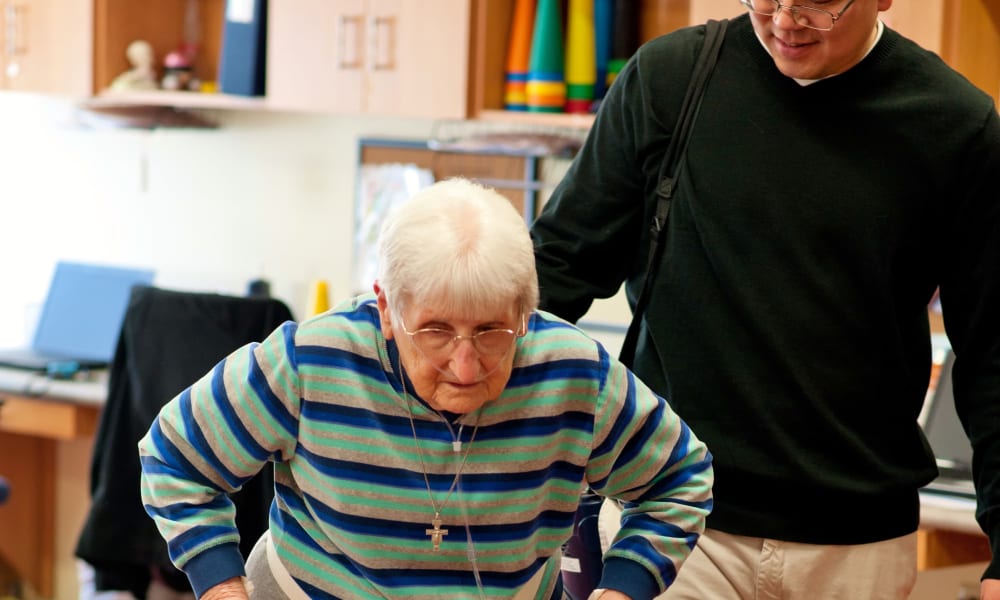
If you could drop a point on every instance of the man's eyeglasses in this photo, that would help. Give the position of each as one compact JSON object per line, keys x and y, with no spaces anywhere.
{"x":438,"y":343}
{"x":807,"y":16}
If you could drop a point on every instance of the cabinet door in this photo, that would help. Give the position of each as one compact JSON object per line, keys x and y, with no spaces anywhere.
{"x":46,"y":46}
{"x":418,"y":58}
{"x":316,"y":55}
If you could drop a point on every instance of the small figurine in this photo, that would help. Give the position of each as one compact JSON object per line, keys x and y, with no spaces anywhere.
{"x":142,"y":75}
{"x":178,"y":71}
{"x":179,"y":65}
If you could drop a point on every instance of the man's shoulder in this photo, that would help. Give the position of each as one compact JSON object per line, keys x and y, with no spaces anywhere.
{"x":682,"y":43}
{"x":927,"y":71}
{"x":668,"y":58}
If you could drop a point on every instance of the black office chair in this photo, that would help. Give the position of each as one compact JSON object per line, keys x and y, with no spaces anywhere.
{"x":169,"y":339}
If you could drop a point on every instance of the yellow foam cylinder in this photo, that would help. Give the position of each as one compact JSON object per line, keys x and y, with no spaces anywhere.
{"x":319,"y":297}
{"x":581,"y":56}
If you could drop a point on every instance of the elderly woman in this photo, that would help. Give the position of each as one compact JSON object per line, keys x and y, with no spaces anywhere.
{"x":430,"y":440}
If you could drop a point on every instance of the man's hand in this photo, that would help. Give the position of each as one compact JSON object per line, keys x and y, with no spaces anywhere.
{"x":230,"y":589}
{"x":990,"y":589}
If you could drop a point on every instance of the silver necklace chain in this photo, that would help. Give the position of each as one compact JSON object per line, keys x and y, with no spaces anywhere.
{"x":437,"y":533}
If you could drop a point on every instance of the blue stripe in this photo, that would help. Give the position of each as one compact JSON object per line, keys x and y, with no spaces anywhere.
{"x":197,"y":439}
{"x":170,"y":461}
{"x":581,"y":369}
{"x":193,"y":538}
{"x":353,"y":418}
{"x":338,"y":358}
{"x":361,"y":525}
{"x":227,"y":410}
{"x":374,"y":474}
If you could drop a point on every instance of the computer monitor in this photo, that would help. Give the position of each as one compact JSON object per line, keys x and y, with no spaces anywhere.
{"x":943,"y":429}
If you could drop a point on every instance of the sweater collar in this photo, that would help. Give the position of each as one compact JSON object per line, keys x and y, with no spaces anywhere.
{"x":880,"y":28}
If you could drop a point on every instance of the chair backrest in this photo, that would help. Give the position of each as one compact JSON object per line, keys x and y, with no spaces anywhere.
{"x":169,"y":339}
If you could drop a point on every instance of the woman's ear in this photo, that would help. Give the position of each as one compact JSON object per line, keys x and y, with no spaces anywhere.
{"x":384,"y":314}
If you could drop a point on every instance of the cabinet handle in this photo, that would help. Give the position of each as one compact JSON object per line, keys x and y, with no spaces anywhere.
{"x":14,"y":18}
{"x":383,"y":43}
{"x":351,"y":46}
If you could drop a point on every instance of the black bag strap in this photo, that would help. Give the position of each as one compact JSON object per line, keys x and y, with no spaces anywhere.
{"x":714,"y":33}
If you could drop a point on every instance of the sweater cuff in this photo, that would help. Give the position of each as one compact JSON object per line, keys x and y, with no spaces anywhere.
{"x":213,"y":566}
{"x":629,"y":578}
{"x":993,"y":568}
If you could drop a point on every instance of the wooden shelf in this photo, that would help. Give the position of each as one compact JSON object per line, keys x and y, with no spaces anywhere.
{"x":576,"y":121}
{"x":177,"y":100}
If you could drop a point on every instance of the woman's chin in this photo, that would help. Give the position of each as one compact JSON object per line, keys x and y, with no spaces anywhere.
{"x":460,"y":403}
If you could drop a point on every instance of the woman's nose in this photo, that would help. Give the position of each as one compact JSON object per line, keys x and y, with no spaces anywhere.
{"x":465,"y":362}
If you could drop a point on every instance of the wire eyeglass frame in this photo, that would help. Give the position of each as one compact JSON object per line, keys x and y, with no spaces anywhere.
{"x":802,"y":15}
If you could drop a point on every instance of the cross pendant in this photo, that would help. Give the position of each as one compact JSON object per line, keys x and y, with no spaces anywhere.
{"x":437,"y":533}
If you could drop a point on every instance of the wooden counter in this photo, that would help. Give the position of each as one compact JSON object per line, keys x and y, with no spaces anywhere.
{"x":949,"y":534}
{"x":33,"y":420}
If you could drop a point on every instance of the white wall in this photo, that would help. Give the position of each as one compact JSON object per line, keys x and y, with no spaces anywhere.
{"x":266,"y":195}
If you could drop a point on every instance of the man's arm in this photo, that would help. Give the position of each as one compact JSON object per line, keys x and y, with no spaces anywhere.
{"x":587,"y":234}
{"x":970,"y":300}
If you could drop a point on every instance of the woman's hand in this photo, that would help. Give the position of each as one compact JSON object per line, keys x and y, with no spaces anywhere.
{"x":230,"y":589}
{"x":602,"y":594}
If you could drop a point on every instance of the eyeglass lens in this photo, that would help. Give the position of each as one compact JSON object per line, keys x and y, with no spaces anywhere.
{"x":808,"y":16}
{"x":490,"y":342}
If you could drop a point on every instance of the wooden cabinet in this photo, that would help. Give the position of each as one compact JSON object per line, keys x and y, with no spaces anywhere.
{"x":117,"y":23}
{"x":165,"y":24}
{"x":384,"y":57}
{"x":970,"y":41}
{"x":77,"y":47}
{"x":30,"y":429}
{"x":429,"y":58}
{"x":45,"y":46}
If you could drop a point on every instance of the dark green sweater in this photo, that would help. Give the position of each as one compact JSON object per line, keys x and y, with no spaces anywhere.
{"x":811,"y":228}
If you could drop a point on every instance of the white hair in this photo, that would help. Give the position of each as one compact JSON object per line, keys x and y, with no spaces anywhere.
{"x":458,"y":245}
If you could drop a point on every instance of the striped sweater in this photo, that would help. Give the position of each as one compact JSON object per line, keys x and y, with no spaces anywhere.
{"x":323,"y":400}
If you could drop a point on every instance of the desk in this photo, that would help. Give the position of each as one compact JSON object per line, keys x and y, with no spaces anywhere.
{"x":36,"y":413}
{"x":949,"y":534}
{"x":952,"y":551}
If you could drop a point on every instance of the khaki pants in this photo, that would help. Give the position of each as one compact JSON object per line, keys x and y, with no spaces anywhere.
{"x":734,"y":567}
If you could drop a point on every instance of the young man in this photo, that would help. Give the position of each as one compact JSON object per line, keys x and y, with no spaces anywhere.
{"x":836,"y":176}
